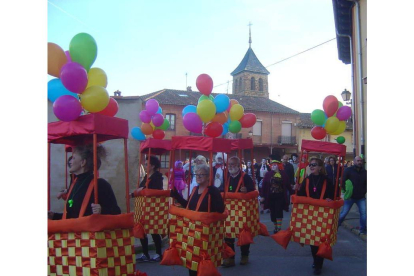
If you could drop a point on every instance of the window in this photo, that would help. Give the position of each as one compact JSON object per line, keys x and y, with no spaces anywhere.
{"x":286,"y":128}
{"x":171,"y":118}
{"x":235,"y":87}
{"x":260,"y":84}
{"x":240,"y":85}
{"x":257,"y":128}
{"x":252,"y":83}
{"x":165,"y":161}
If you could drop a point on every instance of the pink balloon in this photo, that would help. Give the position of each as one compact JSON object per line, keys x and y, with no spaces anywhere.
{"x":74,"y":77}
{"x":192,"y":122}
{"x":157,"y":120}
{"x":152,"y":106}
{"x":343,"y":113}
{"x":68,"y":56}
{"x":67,"y":108}
{"x":145,"y":117}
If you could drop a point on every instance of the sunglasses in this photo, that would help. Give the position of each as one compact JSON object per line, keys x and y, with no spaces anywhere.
{"x":313,"y":164}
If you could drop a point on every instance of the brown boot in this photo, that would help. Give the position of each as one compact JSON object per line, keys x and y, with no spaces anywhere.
{"x":228,"y":263}
{"x":244,"y":260}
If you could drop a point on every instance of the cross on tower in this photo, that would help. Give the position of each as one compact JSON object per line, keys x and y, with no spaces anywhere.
{"x":250,"y":35}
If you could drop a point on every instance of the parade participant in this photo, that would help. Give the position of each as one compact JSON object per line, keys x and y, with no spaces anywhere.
{"x":273,"y":195}
{"x":236,"y":179}
{"x":249,"y":169}
{"x":317,"y":180}
{"x":81,"y":166}
{"x":178,"y":182}
{"x":295,"y":163}
{"x":262,"y":170}
{"x":332,"y":170}
{"x":155,"y":181}
{"x":202,"y":175}
{"x":197,"y":161}
{"x":288,"y":168}
{"x":218,"y":170}
{"x":358,"y":177}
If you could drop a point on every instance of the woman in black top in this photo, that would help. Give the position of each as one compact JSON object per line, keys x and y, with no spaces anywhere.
{"x":316,"y":181}
{"x":202,"y":175}
{"x":155,"y":182}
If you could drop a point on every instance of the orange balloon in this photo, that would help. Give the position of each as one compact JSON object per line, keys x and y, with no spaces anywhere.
{"x":233,"y":101}
{"x":147,"y":129}
{"x":56,"y":58}
{"x":220,"y":118}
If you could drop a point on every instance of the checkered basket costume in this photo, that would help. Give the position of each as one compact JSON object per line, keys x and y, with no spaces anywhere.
{"x":93,"y":245}
{"x":314,"y":220}
{"x":151,"y":210}
{"x":196,"y":234}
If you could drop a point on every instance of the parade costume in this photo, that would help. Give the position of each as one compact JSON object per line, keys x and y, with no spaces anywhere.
{"x":177,"y":180}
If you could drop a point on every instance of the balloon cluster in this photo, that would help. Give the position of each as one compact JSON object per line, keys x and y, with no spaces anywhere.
{"x":330,"y":120}
{"x":215,"y":116}
{"x":77,"y":87}
{"x":153,"y":122}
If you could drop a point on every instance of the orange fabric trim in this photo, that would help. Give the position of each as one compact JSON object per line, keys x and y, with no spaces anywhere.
{"x":204,"y":217}
{"x":335,"y":204}
{"x":92,"y":223}
{"x":245,"y":196}
{"x":86,"y":198}
{"x":153,"y":192}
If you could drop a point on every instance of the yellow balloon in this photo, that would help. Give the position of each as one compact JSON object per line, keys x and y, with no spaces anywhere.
{"x":206,"y":110}
{"x":340,"y":129}
{"x":236,"y":112}
{"x":152,"y":125}
{"x":331,"y":125}
{"x":94,"y":99}
{"x":97,"y":76}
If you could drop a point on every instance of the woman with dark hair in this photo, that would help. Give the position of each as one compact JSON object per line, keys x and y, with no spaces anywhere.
{"x":317,"y":181}
{"x":155,"y":181}
{"x":81,"y":166}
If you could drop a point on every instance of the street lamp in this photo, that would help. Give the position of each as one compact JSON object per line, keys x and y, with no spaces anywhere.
{"x":346,"y":96}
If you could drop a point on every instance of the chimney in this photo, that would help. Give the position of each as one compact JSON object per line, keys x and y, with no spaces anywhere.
{"x":189,"y":89}
{"x":117,"y":93}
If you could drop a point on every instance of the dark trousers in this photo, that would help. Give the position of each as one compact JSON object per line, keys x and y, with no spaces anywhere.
{"x":244,"y":248}
{"x":318,"y":261}
{"x":192,"y":272}
{"x":157,"y":242}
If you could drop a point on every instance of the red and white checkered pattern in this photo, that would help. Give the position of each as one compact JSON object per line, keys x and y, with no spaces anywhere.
{"x":152,"y":213}
{"x":242,"y":212}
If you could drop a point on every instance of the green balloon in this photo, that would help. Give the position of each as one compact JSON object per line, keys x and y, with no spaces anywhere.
{"x":340,"y":139}
{"x":164,"y":125}
{"x":318,"y":117}
{"x":211,"y":97}
{"x":204,"y":97}
{"x":83,"y":50}
{"x":235,"y":126}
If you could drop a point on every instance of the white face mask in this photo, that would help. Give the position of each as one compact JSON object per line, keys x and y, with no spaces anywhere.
{"x":274,"y":168}
{"x":233,"y":170}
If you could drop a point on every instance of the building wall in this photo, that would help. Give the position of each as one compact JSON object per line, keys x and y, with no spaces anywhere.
{"x":246,"y":77}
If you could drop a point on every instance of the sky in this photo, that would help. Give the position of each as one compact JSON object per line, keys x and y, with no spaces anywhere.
{"x":146,"y":46}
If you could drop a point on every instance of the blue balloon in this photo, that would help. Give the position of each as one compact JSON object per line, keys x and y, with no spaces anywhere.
{"x":136,"y":133}
{"x":222,"y":102}
{"x":55,"y":89}
{"x":189,"y":108}
{"x":225,"y":129}
{"x":159,"y":110}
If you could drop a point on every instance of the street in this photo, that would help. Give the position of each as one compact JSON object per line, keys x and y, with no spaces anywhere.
{"x":269,"y":258}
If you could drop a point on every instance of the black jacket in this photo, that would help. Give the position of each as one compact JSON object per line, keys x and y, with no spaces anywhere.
{"x":317,"y":182}
{"x":358,"y":177}
{"x":233,"y":182}
{"x":290,"y":173}
{"x":217,"y":204}
{"x":155,"y":181}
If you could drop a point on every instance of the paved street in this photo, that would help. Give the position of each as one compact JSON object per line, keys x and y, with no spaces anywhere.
{"x":267,"y":258}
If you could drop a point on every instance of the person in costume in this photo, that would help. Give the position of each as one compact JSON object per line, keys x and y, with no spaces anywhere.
{"x":263,"y":168}
{"x":202,"y":192}
{"x":238,"y":182}
{"x":317,"y":180}
{"x":81,"y":166}
{"x":155,"y":181}
{"x":178,"y":180}
{"x":219,"y":168}
{"x":332,"y":170}
{"x":249,"y":169}
{"x":273,"y":195}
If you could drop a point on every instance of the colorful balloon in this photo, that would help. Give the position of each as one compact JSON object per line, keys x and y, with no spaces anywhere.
{"x":344,"y":113}
{"x":94,"y":99}
{"x":56,"y":58}
{"x":318,"y":117}
{"x":203,"y":97}
{"x":74,"y":77}
{"x":330,"y":105}
{"x":83,"y":50}
{"x":204,"y":84}
{"x":165,"y":125}
{"x":341,"y":128}
{"x":318,"y":132}
{"x":136,"y":133}
{"x":236,"y":112}
{"x":213,"y":129}
{"x":55,"y":89}
{"x":159,"y":110}
{"x":97,"y":76}
{"x":221,"y":102}
{"x":157,"y":120}
{"x":192,"y":122}
{"x":144,"y":116}
{"x":220,"y":118}
{"x":340,"y":139}
{"x":225,"y":129}
{"x":111,"y":109}
{"x":189,"y":108}
{"x":234,"y":126}
{"x":152,"y":106}
{"x":158,"y":134}
{"x":232,"y":102}
{"x":67,"y":108}
{"x":68,"y":56}
{"x":146,"y":129}
{"x":331,"y":125}
{"x":248,"y":120}
{"x":206,"y":110}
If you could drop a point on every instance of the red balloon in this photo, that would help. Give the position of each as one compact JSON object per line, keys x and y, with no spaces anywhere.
{"x":248,"y":120}
{"x":330,"y":105}
{"x":318,"y":132}
{"x":213,"y":129}
{"x":204,"y":84}
{"x":158,"y":134}
{"x":111,"y":109}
